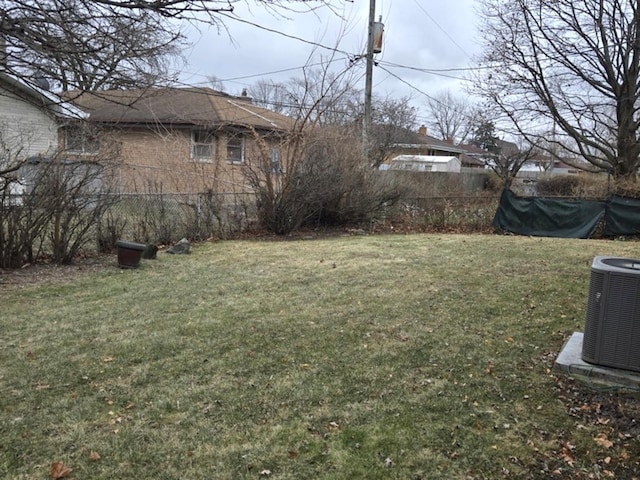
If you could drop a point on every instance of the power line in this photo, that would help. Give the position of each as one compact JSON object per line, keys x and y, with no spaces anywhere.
{"x":441,"y":29}
{"x":433,"y":99}
{"x":436,"y":71}
{"x":267,"y":29}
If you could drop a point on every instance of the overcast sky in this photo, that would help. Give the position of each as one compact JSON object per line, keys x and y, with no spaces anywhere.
{"x":419,"y":35}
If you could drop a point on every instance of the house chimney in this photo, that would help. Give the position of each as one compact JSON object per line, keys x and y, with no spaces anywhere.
{"x":449,"y":140}
{"x":422,"y":130}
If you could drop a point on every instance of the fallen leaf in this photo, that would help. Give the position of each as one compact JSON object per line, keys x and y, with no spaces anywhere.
{"x":567,"y":454}
{"x":293,"y":454}
{"x":108,"y":359}
{"x":265,"y":472}
{"x":603,"y":441}
{"x":94,"y":455}
{"x":489,"y":369}
{"x":41,"y":386}
{"x":59,"y":470}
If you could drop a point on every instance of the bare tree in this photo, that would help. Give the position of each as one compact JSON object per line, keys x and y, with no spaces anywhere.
{"x":272,"y":95}
{"x":216,"y":83}
{"x":91,"y":44}
{"x":573,"y":67}
{"x":325,"y":97}
{"x":451,"y":116}
{"x":134,"y":50}
{"x":508,"y":161}
{"x":504,"y":158}
{"x":394,"y":122}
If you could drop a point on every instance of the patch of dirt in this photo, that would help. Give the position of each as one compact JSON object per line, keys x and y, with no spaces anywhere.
{"x":618,"y":410}
{"x":48,"y":273}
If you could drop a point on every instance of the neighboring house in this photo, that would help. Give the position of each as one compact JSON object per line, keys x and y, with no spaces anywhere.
{"x":475,"y":157}
{"x":178,"y":140}
{"x":543,"y":164}
{"x":30,"y":119}
{"x":419,"y":144}
{"x":426,"y":163}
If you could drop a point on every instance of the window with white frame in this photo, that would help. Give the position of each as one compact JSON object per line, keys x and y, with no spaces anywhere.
{"x":235,"y":149}
{"x":81,"y":139}
{"x":202,"y":145}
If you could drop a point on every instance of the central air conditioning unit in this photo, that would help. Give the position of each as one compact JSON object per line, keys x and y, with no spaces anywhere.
{"x":612,"y":328}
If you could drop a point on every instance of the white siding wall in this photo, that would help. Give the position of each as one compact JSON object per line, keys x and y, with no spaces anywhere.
{"x":24,"y":128}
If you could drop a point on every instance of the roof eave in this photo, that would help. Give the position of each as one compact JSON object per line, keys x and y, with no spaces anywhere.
{"x":430,"y":145}
{"x":58,"y":106}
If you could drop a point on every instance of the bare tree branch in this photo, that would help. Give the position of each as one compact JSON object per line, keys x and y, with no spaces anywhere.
{"x":106,"y":44}
{"x":568,"y":67}
{"x":451,"y":117}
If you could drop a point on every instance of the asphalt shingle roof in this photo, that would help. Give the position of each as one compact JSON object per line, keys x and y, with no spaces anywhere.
{"x":178,"y":106}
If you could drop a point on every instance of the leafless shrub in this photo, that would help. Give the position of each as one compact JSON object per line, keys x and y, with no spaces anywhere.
{"x":592,"y":186}
{"x":321,"y":180}
{"x":110,"y":228}
{"x":73,"y":194}
{"x":56,"y":211}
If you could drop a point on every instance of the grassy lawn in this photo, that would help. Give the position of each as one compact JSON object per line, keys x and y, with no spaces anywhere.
{"x":373,"y":357}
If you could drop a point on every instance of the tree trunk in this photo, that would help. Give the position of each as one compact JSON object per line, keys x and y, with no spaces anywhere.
{"x":627,"y":142}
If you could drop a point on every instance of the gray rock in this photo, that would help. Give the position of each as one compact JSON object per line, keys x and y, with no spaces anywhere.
{"x":182,"y":247}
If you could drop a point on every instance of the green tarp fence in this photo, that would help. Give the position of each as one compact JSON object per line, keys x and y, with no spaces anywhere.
{"x":550,"y":217}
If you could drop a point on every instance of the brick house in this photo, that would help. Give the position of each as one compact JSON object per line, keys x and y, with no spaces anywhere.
{"x":177,"y":140}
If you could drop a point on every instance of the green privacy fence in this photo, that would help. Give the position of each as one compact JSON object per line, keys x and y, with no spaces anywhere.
{"x":567,"y":218}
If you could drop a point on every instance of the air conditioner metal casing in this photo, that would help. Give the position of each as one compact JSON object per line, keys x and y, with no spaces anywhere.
{"x":612,"y":327}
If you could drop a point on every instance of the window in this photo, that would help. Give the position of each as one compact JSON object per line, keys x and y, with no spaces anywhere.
{"x":235,"y":150}
{"x":276,"y":167}
{"x":202,"y":145}
{"x":81,"y":139}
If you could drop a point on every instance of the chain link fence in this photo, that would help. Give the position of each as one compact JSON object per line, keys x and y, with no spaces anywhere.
{"x":98,"y":222}
{"x":450,"y":213}
{"x":166,"y":218}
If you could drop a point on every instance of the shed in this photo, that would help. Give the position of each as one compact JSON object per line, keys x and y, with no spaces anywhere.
{"x":426,"y":163}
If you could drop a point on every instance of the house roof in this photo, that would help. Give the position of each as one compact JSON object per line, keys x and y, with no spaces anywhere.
{"x":474,"y":155}
{"x":178,"y":106}
{"x":38,"y":96}
{"x":419,"y":140}
{"x":471,"y":149}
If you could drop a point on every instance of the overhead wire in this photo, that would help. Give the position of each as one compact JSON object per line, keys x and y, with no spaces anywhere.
{"x":441,"y":29}
{"x":433,"y":99}
{"x":293,"y":37}
{"x":382,"y":64}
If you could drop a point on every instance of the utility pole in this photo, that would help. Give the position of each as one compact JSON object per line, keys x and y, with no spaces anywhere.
{"x":368,"y":86}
